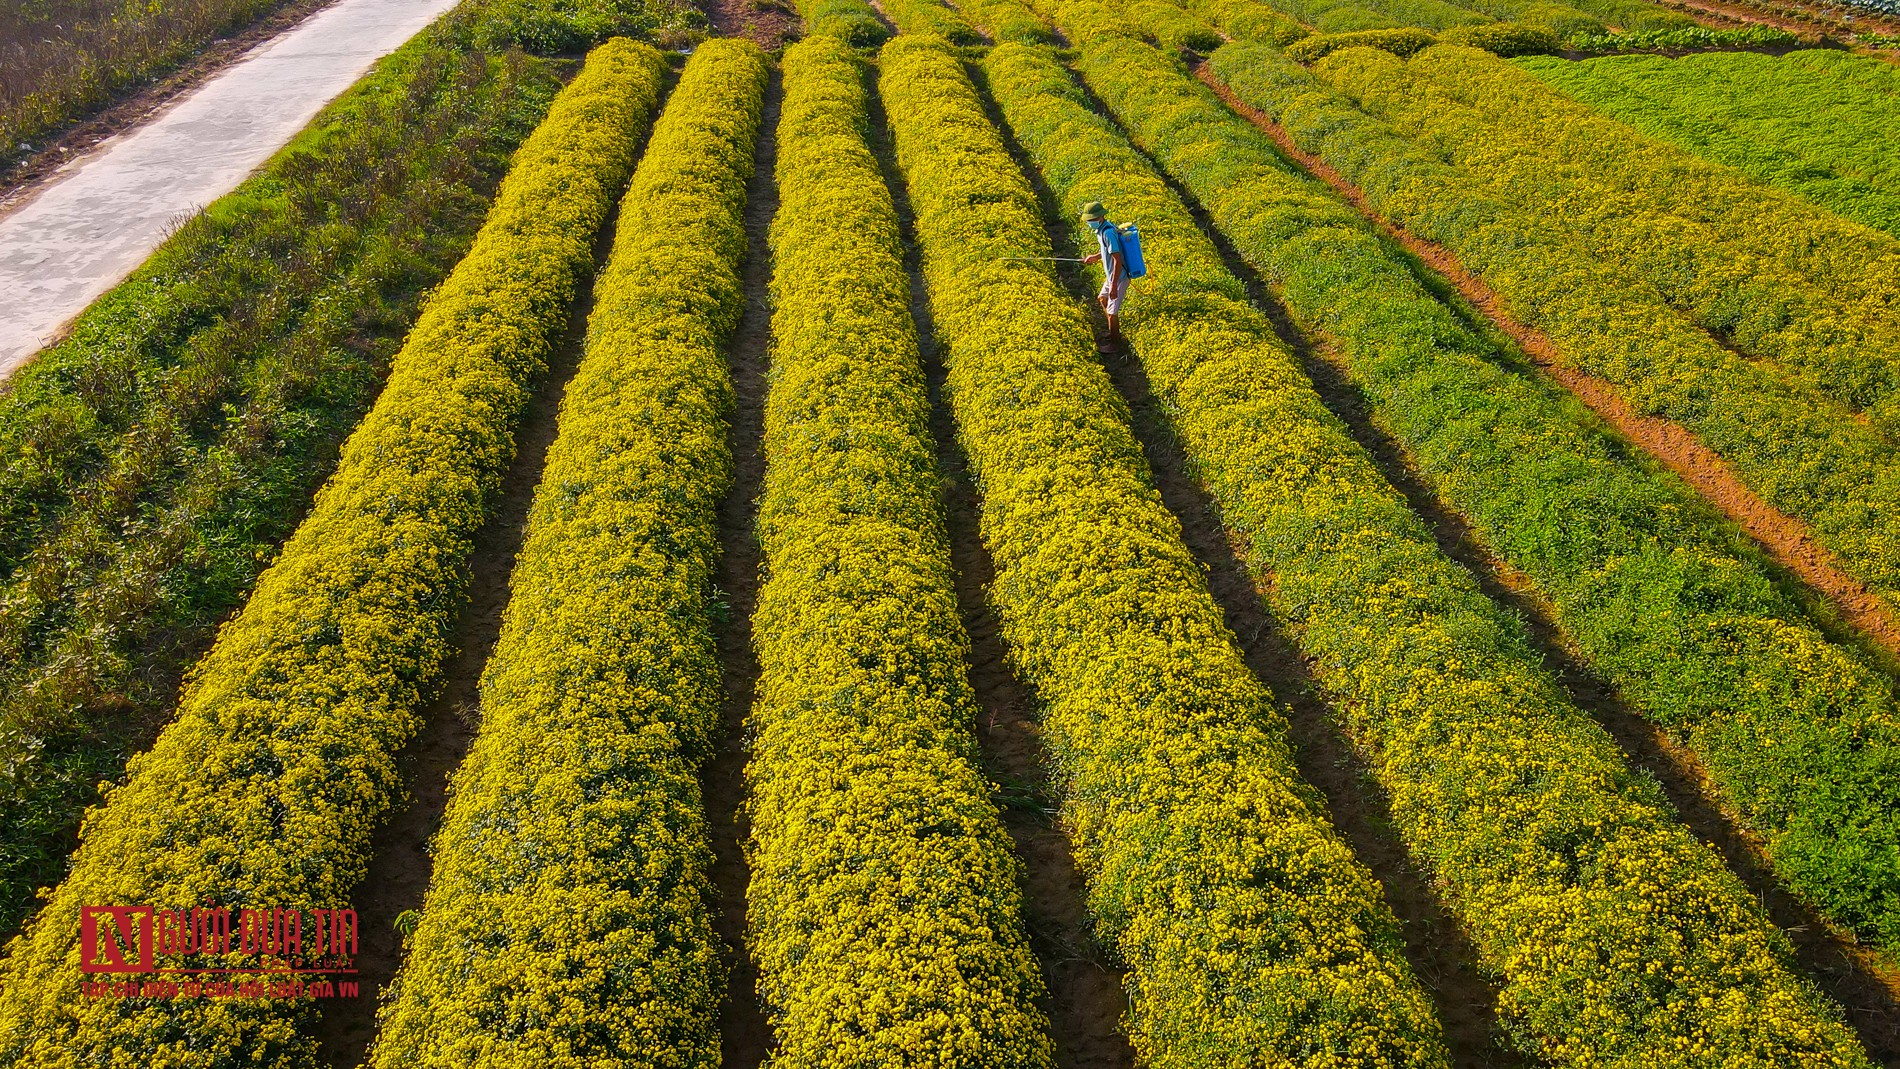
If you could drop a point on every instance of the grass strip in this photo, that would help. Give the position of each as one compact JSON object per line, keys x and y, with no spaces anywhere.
{"x":266,"y":788}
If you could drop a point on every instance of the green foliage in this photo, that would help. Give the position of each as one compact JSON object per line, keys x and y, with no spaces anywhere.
{"x":1813,"y":132}
{"x":1813,"y":296}
{"x":1798,"y":736}
{"x":1251,"y":933}
{"x":1007,"y":20}
{"x":570,"y":893}
{"x":1570,"y":871}
{"x":1504,"y":39}
{"x":265,"y":789}
{"x":1605,"y":313}
{"x":162,"y":452}
{"x":1251,"y":20}
{"x":854,"y":22}
{"x":555,"y":27}
{"x":885,"y":913}
{"x":1170,"y":27}
{"x":1678,"y":37}
{"x":1397,"y":42}
{"x":932,"y":16}
{"x":1864,"y":71}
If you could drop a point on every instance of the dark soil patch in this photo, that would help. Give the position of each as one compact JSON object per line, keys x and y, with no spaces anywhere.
{"x":400,"y":863}
{"x":768,"y":23}
{"x":1086,"y":996}
{"x":1867,"y":986}
{"x":746,"y":1037}
{"x":134,"y":106}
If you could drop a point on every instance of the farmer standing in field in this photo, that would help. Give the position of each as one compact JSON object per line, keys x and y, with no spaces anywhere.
{"x":1114,"y":261}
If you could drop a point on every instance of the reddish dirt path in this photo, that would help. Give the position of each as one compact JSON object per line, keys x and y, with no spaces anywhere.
{"x":1823,"y":20}
{"x":1787,"y":540}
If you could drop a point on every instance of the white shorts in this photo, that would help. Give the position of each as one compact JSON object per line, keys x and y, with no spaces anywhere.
{"x":1113,"y":290}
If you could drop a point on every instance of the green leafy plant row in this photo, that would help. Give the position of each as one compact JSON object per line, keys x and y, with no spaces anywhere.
{"x":161,"y":455}
{"x":1251,"y":933}
{"x":1171,"y":27}
{"x":1810,"y":132}
{"x":1800,"y":738}
{"x":1616,"y":937}
{"x":567,"y":921}
{"x":932,"y":16}
{"x":1007,"y":20}
{"x":1815,"y":296}
{"x":1679,"y":37}
{"x":852,"y":21}
{"x":265,"y":790}
{"x":885,"y":913}
{"x":1250,"y":20}
{"x":1805,"y":458}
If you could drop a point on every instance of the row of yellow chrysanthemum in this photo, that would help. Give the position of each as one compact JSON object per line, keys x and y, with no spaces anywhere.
{"x":1251,"y":933}
{"x":265,"y":789}
{"x":885,"y":914}
{"x":567,"y":923}
{"x":1571,"y":872}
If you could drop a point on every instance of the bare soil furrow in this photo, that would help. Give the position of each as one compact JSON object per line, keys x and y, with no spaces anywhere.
{"x":746,"y":1036}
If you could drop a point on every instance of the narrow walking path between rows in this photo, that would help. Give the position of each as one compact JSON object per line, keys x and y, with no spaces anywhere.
{"x":92,"y":225}
{"x":1851,"y":974}
{"x":745,"y":1037}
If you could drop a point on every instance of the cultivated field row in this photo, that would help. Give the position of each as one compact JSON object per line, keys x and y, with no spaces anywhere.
{"x":573,"y":912}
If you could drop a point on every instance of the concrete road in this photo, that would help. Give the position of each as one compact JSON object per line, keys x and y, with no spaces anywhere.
{"x":99,"y":218}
